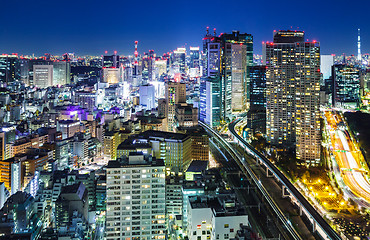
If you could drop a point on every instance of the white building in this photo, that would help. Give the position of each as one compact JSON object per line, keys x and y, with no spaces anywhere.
{"x":43,"y":75}
{"x":61,"y":73}
{"x":147,"y":96}
{"x":326,"y":63}
{"x":136,"y":201}
{"x":217,"y":217}
{"x":111,"y":75}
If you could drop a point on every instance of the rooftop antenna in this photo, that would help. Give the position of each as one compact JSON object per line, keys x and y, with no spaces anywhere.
{"x":359,"y":58}
{"x":136,"y":53}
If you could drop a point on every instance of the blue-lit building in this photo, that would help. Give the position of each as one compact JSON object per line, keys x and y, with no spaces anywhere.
{"x":194,"y":57}
{"x":210,"y":101}
{"x":346,"y":86}
{"x":257,"y":109}
{"x":230,"y":57}
{"x":9,"y":68}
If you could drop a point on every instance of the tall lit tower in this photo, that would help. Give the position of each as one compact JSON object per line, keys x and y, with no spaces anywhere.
{"x":293,"y":94}
{"x":359,"y":58}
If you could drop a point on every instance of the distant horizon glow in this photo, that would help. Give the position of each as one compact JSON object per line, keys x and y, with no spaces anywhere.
{"x":93,"y":28}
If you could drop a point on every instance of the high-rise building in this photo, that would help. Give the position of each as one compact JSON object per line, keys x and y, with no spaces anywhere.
{"x":292,"y":94}
{"x":346,"y":86}
{"x":31,"y":63}
{"x":237,"y":58}
{"x":178,"y":58}
{"x":136,"y":203}
{"x":175,"y":93}
{"x":61,"y":73}
{"x":147,"y":67}
{"x":9,"y":68}
{"x":194,"y":57}
{"x":147,"y":96}
{"x":43,"y":75}
{"x":160,"y":67}
{"x":230,"y":57}
{"x":326,"y":63}
{"x":111,"y":61}
{"x":257,"y":111}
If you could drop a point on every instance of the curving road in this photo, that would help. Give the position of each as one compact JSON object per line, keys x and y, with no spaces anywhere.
{"x":326,"y":231}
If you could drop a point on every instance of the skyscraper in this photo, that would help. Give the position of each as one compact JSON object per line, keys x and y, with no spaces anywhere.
{"x":147,"y":96}
{"x":194,"y":57}
{"x":175,"y":93}
{"x":237,"y":58}
{"x":257,"y":111}
{"x":210,"y":101}
{"x":9,"y":68}
{"x":292,"y":94}
{"x":111,"y":61}
{"x":43,"y":75}
{"x":136,"y":203}
{"x":61,"y":73}
{"x":178,"y":58}
{"x":346,"y":86}
{"x":230,"y":57}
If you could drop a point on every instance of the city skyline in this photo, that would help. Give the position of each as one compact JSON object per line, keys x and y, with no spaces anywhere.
{"x":165,"y":26}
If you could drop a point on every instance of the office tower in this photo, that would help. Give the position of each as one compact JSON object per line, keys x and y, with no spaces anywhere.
{"x":61,"y":73}
{"x":257,"y":111}
{"x":160,"y":68}
{"x":136,"y":203}
{"x":292,"y":94}
{"x":43,"y":76}
{"x":212,"y":55}
{"x":147,"y":96}
{"x":237,"y":58}
{"x":175,"y":93}
{"x":9,"y":68}
{"x":178,"y":59}
{"x":194,"y":57}
{"x":33,"y":62}
{"x":346,"y":86}
{"x":210,"y":101}
{"x":230,"y":57}
{"x":147,"y":67}
{"x":326,"y":64}
{"x":24,"y":70}
{"x":111,"y":75}
{"x":111,"y":61}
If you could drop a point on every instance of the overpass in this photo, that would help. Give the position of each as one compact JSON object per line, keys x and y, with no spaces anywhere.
{"x":288,"y":189}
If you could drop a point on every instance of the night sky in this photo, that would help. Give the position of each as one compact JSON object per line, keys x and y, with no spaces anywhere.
{"x":91,"y":27}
